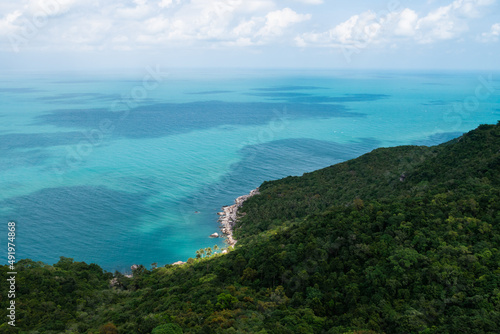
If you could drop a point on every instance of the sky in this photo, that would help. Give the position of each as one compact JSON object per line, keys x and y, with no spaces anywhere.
{"x":389,"y":34}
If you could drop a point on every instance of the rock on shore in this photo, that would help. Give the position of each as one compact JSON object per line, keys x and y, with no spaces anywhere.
{"x":178,"y":263}
{"x":229,"y":216}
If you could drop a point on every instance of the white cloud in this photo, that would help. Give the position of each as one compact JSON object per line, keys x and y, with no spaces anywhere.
{"x":156,"y":24}
{"x":311,"y":2}
{"x":406,"y":23}
{"x":444,"y":23}
{"x":211,"y":23}
{"x":278,"y":20}
{"x":149,"y":23}
{"x":495,"y":29}
{"x":141,"y":10}
{"x":491,"y":36}
{"x":50,"y":7}
{"x":255,"y":6}
{"x":7,"y":25}
{"x":470,"y":8}
{"x":358,"y":29}
{"x":168,"y":3}
{"x":91,"y":35}
{"x":247,"y":28}
{"x":449,"y":22}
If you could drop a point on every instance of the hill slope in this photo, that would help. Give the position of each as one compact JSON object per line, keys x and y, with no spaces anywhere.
{"x":400,"y":240}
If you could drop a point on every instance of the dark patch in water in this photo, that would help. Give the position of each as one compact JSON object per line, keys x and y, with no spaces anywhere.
{"x":19,"y":90}
{"x":161,"y":120}
{"x":31,"y":140}
{"x":211,"y":92}
{"x":435,"y":84}
{"x":279,"y":94}
{"x":79,"y":98}
{"x":339,"y":99}
{"x":435,"y":103}
{"x":438,"y":138}
{"x":90,"y":218}
{"x":271,"y":161}
{"x":24,"y":158}
{"x":287,"y":88}
{"x":106,"y":80}
{"x":76,"y":98}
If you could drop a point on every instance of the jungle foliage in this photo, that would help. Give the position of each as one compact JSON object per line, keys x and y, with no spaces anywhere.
{"x":400,"y":240}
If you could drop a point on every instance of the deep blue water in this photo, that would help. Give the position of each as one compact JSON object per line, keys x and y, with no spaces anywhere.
{"x":111,"y":169}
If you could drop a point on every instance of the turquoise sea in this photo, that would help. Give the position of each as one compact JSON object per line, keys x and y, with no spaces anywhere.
{"x":131,"y":167}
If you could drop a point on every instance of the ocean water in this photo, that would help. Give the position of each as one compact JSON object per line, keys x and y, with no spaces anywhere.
{"x":132,"y":167}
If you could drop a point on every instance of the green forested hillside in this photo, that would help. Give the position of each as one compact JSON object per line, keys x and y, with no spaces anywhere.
{"x":400,"y":240}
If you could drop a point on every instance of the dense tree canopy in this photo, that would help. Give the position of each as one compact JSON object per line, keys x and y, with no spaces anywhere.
{"x":400,"y":240}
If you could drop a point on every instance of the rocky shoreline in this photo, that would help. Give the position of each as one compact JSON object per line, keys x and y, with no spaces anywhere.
{"x":227,"y":219}
{"x":228,"y":216}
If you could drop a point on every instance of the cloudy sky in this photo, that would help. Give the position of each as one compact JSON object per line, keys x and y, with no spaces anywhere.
{"x":50,"y":34}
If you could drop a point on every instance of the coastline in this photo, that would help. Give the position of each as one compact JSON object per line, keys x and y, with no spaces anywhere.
{"x":228,"y":216}
{"x":227,"y":219}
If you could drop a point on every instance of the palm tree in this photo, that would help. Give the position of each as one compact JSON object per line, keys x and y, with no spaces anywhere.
{"x":202,"y":252}
{"x":208,"y":251}
{"x":198,"y":254}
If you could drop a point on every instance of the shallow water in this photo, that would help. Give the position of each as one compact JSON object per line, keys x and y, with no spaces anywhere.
{"x":108,"y":168}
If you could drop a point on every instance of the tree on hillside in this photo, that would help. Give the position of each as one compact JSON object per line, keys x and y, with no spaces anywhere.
{"x":167,"y":329}
{"x":109,"y":328}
